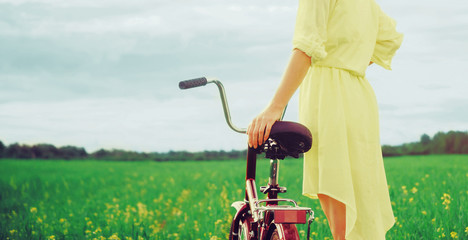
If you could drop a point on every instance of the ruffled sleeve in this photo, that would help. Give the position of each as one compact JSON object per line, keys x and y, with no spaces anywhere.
{"x":310,"y":32}
{"x":388,"y":41}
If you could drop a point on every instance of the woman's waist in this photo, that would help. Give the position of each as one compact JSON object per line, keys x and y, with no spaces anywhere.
{"x":340,"y":67}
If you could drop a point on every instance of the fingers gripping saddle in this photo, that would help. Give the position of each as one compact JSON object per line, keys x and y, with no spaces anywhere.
{"x":287,"y":139}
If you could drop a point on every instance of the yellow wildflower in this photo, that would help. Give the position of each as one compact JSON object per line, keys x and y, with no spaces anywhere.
{"x":51,"y":237}
{"x":219,"y":221}
{"x":404,"y":189}
{"x":13,"y":231}
{"x":114,"y":237}
{"x":414,"y":190}
{"x":33,"y":210}
{"x":447,"y":200}
{"x":196,"y":227}
{"x":424,"y":212}
{"x":453,"y":235}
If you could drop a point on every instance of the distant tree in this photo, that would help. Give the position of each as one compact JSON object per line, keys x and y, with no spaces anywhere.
{"x":2,"y":149}
{"x":101,"y":153}
{"x":18,"y":151}
{"x":450,"y":142}
{"x":464,"y":148}
{"x":72,"y":152}
{"x":122,"y":155}
{"x":45,"y":151}
{"x":459,"y":141}
{"x":438,"y":143}
{"x":390,"y":151}
{"x":159,"y":157}
{"x":425,"y":139}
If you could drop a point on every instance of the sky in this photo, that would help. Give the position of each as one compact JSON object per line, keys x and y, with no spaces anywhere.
{"x":104,"y":74}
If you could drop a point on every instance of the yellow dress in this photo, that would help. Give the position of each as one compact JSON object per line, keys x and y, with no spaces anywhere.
{"x":338,"y":105}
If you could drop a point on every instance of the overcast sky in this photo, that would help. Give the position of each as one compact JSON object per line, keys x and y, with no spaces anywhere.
{"x":104,"y":74}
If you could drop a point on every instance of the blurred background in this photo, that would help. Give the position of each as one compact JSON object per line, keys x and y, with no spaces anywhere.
{"x":98,"y":80}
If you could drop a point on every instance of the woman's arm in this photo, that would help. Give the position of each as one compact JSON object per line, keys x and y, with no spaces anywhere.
{"x":259,"y":128}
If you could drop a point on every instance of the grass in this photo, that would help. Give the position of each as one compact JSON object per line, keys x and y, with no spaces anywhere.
{"x":191,"y":200}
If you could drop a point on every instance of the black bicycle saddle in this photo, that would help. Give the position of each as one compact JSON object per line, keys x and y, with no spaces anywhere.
{"x":287,"y":139}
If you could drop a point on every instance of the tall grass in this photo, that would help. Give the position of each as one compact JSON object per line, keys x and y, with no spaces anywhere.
{"x":191,"y":200}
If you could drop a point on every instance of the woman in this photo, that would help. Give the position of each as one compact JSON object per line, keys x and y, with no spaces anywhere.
{"x":334,"y":42}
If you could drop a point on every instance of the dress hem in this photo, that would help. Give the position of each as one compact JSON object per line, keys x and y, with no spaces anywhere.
{"x":348,"y":206}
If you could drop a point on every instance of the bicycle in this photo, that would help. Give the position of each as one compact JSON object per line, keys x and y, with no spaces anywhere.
{"x":266,"y":219}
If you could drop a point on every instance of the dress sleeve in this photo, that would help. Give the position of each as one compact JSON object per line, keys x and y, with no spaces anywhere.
{"x":310,"y":32}
{"x":388,"y":41}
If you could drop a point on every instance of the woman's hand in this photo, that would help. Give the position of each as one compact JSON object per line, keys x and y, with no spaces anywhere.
{"x":260,"y":127}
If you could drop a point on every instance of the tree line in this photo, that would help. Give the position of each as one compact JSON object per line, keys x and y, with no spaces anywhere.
{"x":452,"y":142}
{"x":49,"y":151}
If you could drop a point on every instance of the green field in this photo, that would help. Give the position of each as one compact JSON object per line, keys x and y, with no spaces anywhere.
{"x":191,"y":200}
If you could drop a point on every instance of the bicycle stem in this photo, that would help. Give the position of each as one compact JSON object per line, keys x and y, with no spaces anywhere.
{"x":227,"y":114}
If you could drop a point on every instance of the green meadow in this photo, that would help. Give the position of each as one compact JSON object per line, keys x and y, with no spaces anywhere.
{"x":52,"y":199}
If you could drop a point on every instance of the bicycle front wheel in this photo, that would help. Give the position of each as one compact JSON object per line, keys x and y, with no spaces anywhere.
{"x":245,"y":229}
{"x":242,"y":229}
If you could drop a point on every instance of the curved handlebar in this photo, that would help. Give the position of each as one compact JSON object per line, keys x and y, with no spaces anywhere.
{"x":202,"y":81}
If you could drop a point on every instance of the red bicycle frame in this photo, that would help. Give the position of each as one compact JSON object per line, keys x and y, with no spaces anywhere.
{"x":266,"y":219}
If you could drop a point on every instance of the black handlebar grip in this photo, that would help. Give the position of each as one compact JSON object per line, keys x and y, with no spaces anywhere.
{"x":196,"y":82}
